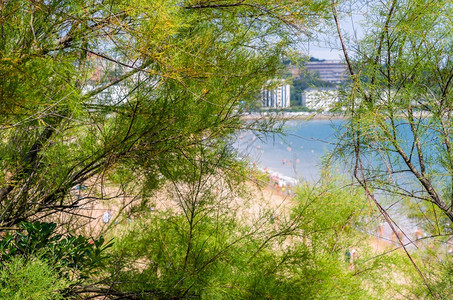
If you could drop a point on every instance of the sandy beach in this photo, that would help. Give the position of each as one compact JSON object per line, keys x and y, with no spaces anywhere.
{"x":263,"y":197}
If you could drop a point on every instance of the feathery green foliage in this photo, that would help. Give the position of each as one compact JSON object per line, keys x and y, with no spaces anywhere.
{"x":88,"y":88}
{"x":210,"y":250}
{"x":31,"y":279}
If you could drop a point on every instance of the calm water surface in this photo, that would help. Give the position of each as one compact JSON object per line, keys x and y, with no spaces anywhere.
{"x":299,"y":155}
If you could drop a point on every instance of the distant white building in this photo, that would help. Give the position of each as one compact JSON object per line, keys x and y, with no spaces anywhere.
{"x":278,"y":97}
{"x":320,"y":99}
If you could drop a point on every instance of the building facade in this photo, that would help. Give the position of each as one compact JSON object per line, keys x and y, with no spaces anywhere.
{"x":332,"y":71}
{"x":278,"y":97}
{"x":322,"y":99}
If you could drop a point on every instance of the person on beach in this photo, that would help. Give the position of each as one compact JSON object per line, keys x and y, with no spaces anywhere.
{"x":393,"y":237}
{"x":381,"y":230}
{"x":396,"y":240}
{"x":106,"y":217}
{"x":418,"y":236}
{"x":347,"y":256}
{"x":275,"y":220}
{"x":352,"y":259}
{"x":450,"y":248}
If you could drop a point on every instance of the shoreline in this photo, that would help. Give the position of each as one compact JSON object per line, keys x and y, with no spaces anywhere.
{"x":281,"y":198}
{"x":292,"y":116}
{"x":288,"y":115}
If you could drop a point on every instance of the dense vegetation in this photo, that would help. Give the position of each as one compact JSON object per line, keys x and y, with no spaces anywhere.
{"x":131,"y":104}
{"x":399,"y":114}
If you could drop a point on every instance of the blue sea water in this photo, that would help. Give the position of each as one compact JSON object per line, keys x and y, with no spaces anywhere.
{"x":297,"y":154}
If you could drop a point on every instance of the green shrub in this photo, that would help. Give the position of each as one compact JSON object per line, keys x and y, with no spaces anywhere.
{"x":216,"y":255}
{"x":38,"y":263}
{"x":33,"y":279}
{"x":69,"y":254}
